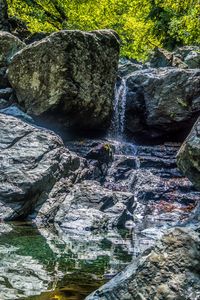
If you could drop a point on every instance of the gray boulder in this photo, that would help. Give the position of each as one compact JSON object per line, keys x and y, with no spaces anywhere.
{"x":188,"y":158}
{"x":31,"y":161}
{"x":9,"y":45}
{"x":162,"y":101}
{"x":190,"y":55}
{"x":89,"y":206}
{"x":69,"y":75}
{"x":3,"y":103}
{"x":183,"y":57}
{"x":14,"y":111}
{"x":170,"y":270}
{"x":127,"y":66}
{"x":163,"y":58}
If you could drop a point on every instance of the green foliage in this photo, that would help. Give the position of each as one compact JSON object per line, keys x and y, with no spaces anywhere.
{"x":141,"y":24}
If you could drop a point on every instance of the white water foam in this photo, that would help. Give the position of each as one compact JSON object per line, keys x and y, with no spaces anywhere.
{"x":118,"y":122}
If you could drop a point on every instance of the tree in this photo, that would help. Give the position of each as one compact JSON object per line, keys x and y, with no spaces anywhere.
{"x":141,"y":24}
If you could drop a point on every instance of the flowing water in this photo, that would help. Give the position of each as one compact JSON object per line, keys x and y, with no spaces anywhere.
{"x":118,"y":121}
{"x":47,"y":263}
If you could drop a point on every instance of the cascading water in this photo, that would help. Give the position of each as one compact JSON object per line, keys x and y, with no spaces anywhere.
{"x":118,"y":122}
{"x":119,"y":110}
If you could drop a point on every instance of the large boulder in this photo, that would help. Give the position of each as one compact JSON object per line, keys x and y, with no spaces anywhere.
{"x":4,"y":25}
{"x":9,"y":45}
{"x":70,"y":75}
{"x":31,"y":161}
{"x":170,"y":270}
{"x":188,"y":158}
{"x":162,"y":101}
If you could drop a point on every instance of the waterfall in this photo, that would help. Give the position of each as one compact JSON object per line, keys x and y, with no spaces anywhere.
{"x":117,"y":128}
{"x":118,"y":122}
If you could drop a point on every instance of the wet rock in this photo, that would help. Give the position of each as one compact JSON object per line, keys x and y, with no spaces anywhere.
{"x":149,"y":109}
{"x":46,"y":209}
{"x":127,"y":67}
{"x":72,"y":77}
{"x":188,"y":158}
{"x":35,"y":262}
{"x":9,"y":45}
{"x":89,"y":206}
{"x":170,"y":270}
{"x":103,"y":155}
{"x":31,"y":161}
{"x":3,"y":103}
{"x":15,"y":111}
{"x":23,"y":270}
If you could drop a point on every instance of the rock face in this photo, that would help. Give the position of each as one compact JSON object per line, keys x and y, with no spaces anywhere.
{"x":31,"y":161}
{"x":163,"y":58}
{"x":184,"y":57}
{"x":190,"y":55}
{"x":170,"y":270}
{"x":9,"y":45}
{"x":162,"y":101}
{"x":3,"y":15}
{"x":127,"y":67}
{"x":70,"y":74}
{"x":90,"y":206}
{"x":188,"y":158}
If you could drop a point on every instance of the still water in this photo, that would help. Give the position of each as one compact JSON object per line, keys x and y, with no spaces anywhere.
{"x":43,"y":263}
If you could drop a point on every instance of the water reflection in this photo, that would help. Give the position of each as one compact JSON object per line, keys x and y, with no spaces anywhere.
{"x":46,"y":263}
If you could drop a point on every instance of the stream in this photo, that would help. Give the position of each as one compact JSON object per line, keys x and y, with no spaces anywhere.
{"x":40,"y":263}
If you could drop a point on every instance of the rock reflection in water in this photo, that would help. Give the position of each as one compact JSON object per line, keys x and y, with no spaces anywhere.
{"x":44,"y":263}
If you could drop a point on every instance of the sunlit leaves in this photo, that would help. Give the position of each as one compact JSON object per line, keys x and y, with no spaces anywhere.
{"x":141,"y":24}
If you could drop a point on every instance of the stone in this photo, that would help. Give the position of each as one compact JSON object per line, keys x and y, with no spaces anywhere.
{"x":190,"y":55}
{"x":3,"y":103}
{"x":31,"y":161}
{"x":9,"y":45}
{"x":163,"y":58}
{"x":89,"y":206}
{"x":193,"y":59}
{"x":149,"y":108}
{"x":68,"y":76}
{"x":15,"y":111}
{"x":4,"y":25}
{"x":127,"y":66}
{"x":6,"y":93}
{"x":169,"y":270}
{"x":188,"y":157}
